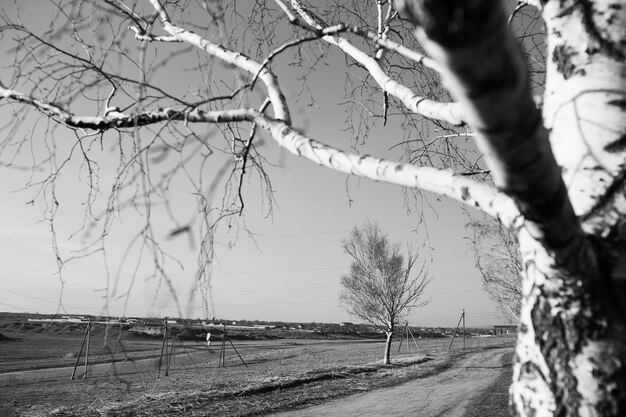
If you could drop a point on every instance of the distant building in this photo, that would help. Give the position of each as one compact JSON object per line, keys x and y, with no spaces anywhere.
{"x":73,"y":319}
{"x":504,"y":329}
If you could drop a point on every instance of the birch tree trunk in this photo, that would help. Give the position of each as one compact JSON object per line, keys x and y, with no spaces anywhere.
{"x":389,"y":334}
{"x":565,"y":172}
{"x":571,"y":353}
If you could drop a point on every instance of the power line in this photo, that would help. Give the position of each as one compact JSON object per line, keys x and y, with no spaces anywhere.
{"x":451,"y":292}
{"x":44,"y":300}
{"x":16,"y":307}
{"x":27,"y":296}
{"x":272,"y":303}
{"x":124,"y":295}
{"x":221,"y":239}
{"x":250,"y":272}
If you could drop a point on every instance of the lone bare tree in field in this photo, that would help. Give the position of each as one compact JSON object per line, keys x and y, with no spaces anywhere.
{"x":92,"y":78}
{"x":380,"y":288}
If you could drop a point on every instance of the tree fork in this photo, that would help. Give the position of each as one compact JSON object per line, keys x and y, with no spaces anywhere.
{"x":571,"y":350}
{"x":483,"y":68}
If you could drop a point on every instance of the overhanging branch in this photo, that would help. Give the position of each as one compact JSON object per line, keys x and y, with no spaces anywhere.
{"x":117,"y":120}
{"x":449,"y":112}
{"x":279,"y":104}
{"x":444,"y":182}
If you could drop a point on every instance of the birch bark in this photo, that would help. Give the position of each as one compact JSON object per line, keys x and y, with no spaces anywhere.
{"x":565,"y":172}
{"x":386,"y":358}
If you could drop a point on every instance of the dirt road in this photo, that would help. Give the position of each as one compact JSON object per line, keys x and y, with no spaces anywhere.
{"x":444,"y":394}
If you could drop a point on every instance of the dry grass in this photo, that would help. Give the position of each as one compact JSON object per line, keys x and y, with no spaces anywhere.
{"x":282,"y":375}
{"x":32,"y":350}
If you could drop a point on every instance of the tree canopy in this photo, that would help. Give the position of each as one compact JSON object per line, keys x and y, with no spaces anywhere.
{"x":380,"y":288}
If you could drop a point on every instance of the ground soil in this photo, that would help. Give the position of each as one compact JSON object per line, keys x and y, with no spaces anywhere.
{"x":447,"y":393}
{"x":493,"y":400}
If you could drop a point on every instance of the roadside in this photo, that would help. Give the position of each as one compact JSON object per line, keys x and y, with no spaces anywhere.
{"x":441,"y":385}
{"x":493,"y":401}
{"x":280,"y":376}
{"x":283,"y":393}
{"x":448,"y":393}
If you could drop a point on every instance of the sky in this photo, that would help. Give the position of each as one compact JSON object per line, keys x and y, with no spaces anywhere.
{"x":290,"y":271}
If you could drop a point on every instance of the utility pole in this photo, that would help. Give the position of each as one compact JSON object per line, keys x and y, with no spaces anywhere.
{"x":162,"y":346}
{"x":185,"y":349}
{"x":170,"y":356}
{"x":463,"y":328}
{"x":406,"y":333}
{"x":462,"y":318}
{"x":222,"y":361}
{"x":86,"y":337}
{"x":88,"y":344}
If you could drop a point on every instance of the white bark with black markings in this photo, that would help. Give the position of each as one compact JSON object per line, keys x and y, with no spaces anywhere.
{"x":571,"y":350}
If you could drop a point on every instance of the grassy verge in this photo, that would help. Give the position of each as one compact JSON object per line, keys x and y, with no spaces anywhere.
{"x":493,"y":401}
{"x":280,"y":394}
{"x":283,"y":393}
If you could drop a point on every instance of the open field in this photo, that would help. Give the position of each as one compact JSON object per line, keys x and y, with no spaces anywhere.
{"x":282,"y":374}
{"x":35,"y":349}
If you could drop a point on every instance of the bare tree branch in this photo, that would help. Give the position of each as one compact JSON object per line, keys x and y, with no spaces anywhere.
{"x":458,"y":187}
{"x":281,"y":111}
{"x":449,"y":112}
